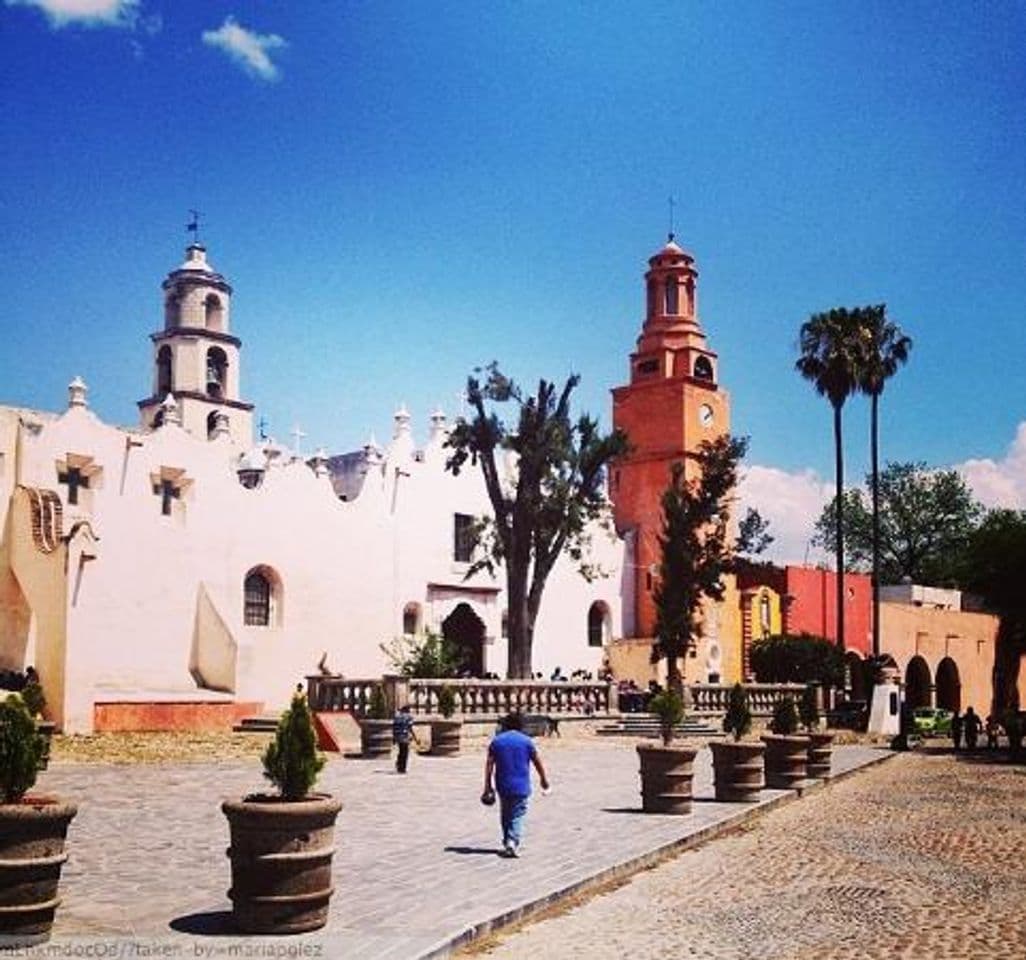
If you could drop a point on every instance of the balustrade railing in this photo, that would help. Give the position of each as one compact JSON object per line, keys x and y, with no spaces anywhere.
{"x":335,"y":694}
{"x":712,"y":698}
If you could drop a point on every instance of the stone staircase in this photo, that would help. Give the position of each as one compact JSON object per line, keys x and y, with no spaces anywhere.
{"x":262,"y":723}
{"x":646,"y":726}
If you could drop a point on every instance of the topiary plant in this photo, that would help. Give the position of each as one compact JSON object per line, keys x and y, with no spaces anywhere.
{"x":377,"y":709}
{"x":21,"y":750}
{"x":446,"y":701}
{"x":808,"y":710}
{"x":32,"y":696}
{"x":785,"y":718}
{"x":292,"y":761}
{"x":669,"y":708}
{"x":738,"y":719}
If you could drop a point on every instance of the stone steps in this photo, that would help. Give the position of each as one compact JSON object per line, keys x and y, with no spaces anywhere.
{"x":264,"y":723}
{"x":646,"y":725}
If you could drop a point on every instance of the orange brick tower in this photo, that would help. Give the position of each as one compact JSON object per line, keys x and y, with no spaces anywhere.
{"x":672,"y":403}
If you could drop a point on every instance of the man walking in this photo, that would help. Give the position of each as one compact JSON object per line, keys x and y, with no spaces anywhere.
{"x":402,"y":734}
{"x":510,"y":756}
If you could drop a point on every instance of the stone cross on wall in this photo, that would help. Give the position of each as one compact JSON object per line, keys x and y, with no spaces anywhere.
{"x":76,"y":480}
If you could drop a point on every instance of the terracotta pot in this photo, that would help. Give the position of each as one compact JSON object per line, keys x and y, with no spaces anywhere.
{"x":445,"y":737}
{"x":376,"y":738}
{"x":738,"y":770}
{"x":32,"y":853}
{"x":820,"y":754}
{"x":786,"y":760}
{"x":281,"y":862}
{"x":666,"y":775}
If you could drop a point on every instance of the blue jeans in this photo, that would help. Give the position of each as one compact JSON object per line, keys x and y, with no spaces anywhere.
{"x":512,"y":810}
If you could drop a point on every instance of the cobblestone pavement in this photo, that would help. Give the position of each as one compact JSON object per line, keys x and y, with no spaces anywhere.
{"x":920,"y":858}
{"x":418,"y":862}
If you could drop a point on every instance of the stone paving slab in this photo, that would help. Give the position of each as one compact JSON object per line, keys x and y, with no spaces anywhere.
{"x":418,"y":867}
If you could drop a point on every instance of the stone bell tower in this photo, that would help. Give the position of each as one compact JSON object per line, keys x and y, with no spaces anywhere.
{"x":672,"y":403}
{"x":195,"y":358}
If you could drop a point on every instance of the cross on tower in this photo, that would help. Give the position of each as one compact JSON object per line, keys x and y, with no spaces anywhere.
{"x":76,"y":480}
{"x":672,"y":204}
{"x":193,"y":225}
{"x":297,"y":436}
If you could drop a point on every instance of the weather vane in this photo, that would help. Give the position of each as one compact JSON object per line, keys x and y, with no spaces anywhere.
{"x":193,"y":226}
{"x":670,"y":201}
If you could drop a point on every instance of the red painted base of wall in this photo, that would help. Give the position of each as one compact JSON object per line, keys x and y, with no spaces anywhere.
{"x":154,"y":717}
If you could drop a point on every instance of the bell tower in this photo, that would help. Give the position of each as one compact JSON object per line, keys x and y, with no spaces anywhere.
{"x":195,"y":358}
{"x":672,"y":403}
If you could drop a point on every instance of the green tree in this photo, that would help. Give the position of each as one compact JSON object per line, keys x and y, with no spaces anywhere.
{"x":992,"y":566}
{"x":802,"y":658}
{"x":291,"y":761}
{"x":925,"y":518}
{"x":830,"y":358}
{"x":885,"y":349}
{"x":696,"y":548}
{"x":21,"y":749}
{"x":432,"y":655}
{"x":545,"y":508}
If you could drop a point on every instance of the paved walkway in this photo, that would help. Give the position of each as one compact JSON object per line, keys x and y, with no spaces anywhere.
{"x":920,"y":859}
{"x":417,"y":868}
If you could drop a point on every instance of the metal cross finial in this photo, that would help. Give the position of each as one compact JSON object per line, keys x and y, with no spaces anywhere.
{"x":193,"y":226}
{"x":262,"y":427}
{"x":671,"y":203}
{"x":297,"y":435}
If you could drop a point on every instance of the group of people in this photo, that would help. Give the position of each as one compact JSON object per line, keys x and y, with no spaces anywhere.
{"x":507,"y":775}
{"x":970,"y":727}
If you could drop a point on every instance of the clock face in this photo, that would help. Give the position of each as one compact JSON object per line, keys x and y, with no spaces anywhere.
{"x":705,"y":415}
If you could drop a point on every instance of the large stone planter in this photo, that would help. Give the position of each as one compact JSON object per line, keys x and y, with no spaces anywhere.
{"x":820,"y":754}
{"x":445,"y":737}
{"x":32,"y":853}
{"x":376,"y":738}
{"x":738,"y":770}
{"x":787,"y":759}
{"x":666,"y":775}
{"x":281,"y":862}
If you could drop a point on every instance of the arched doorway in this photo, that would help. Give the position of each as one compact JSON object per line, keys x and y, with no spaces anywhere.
{"x":859,"y":676}
{"x":598,"y":624}
{"x":949,"y":686}
{"x":917,"y":683}
{"x":466,"y":632}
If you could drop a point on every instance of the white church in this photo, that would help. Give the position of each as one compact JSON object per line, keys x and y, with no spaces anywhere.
{"x":184,"y":572}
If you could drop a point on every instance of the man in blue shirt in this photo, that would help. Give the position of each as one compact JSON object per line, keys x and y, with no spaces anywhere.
{"x":510,"y":755}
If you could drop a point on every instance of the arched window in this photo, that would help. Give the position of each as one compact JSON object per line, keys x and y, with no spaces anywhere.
{"x":598,"y":624}
{"x":213,"y":313}
{"x":164,"y":371}
{"x":262,"y":598}
{"x":411,"y":619}
{"x":651,"y":298}
{"x":764,"y":614}
{"x":211,"y":424}
{"x":703,"y":368}
{"x":672,"y":296}
{"x":217,"y":373}
{"x":172,"y":311}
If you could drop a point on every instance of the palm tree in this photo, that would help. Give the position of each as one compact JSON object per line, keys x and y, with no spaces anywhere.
{"x":885,"y":348}
{"x":831,"y":360}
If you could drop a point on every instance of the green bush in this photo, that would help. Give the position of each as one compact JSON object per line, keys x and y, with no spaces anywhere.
{"x":808,"y":711}
{"x":292,"y":761}
{"x":669,"y":708}
{"x":446,"y":701}
{"x":377,"y":709}
{"x":32,"y":696}
{"x":785,"y":718}
{"x":738,"y":719}
{"x":21,"y":749}
{"x":431,"y":656}
{"x":787,"y":658}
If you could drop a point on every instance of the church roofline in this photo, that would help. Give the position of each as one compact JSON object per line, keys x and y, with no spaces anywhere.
{"x":194,"y":395}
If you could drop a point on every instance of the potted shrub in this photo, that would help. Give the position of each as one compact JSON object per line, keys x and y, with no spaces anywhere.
{"x":32,"y":696}
{"x":445,"y":733}
{"x":376,"y":727}
{"x":786,"y":751}
{"x":32,"y":833}
{"x":666,"y":768}
{"x":820,"y":752}
{"x":282,"y":844}
{"x":737,"y":764}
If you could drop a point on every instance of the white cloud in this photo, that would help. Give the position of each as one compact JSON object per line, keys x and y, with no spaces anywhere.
{"x":89,"y":13}
{"x":791,"y":502}
{"x":1000,"y":483}
{"x":246,"y":48}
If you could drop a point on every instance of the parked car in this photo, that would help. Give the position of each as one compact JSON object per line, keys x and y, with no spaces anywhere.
{"x":932,"y":721}
{"x":849,"y":715}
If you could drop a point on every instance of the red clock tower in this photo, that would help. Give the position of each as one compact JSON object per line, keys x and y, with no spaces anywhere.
{"x":672,"y":403}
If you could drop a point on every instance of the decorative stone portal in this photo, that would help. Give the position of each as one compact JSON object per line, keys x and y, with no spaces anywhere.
{"x":466,"y":631}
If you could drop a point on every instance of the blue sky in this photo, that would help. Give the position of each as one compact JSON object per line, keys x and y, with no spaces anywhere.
{"x":402,"y":191}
